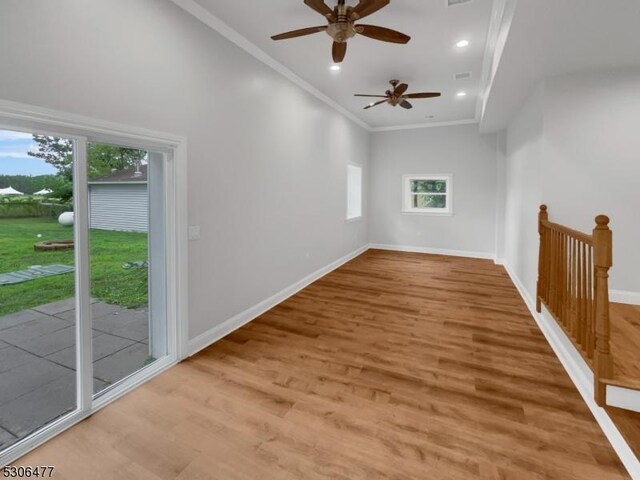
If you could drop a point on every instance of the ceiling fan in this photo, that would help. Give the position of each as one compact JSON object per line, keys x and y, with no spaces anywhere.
{"x":342,"y":25}
{"x":397,"y":96}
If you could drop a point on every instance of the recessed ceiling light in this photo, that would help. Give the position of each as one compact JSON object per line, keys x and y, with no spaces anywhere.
{"x":462,"y":43}
{"x":461,"y":94}
{"x":335,"y":68}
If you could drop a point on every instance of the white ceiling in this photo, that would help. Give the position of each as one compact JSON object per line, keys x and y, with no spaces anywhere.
{"x":428,"y":63}
{"x":550,"y":37}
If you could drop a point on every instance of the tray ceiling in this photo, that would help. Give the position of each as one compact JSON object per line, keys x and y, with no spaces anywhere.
{"x":429,"y":62}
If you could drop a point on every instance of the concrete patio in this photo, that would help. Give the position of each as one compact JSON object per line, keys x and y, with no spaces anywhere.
{"x":37,"y":361}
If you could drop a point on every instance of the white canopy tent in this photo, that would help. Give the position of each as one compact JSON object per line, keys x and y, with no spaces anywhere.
{"x":10,"y":191}
{"x":44,"y":191}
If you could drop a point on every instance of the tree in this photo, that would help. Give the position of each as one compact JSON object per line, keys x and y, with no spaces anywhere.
{"x":101,"y":159}
{"x":30,"y":184}
{"x":57,"y":152}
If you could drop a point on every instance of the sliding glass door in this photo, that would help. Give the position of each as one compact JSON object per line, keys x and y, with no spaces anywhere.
{"x":38,"y":324}
{"x":83,"y":276}
{"x":126,"y":252}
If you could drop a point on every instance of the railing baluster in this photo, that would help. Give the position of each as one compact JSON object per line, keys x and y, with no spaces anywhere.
{"x":582,"y":297}
{"x":591,"y":304}
{"x":577,"y":290}
{"x":573,"y":285}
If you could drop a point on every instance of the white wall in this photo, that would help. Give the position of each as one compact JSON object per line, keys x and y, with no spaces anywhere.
{"x":575,"y":146}
{"x":267,"y":161}
{"x":592,"y":156}
{"x":522,"y":191}
{"x":459,"y":150}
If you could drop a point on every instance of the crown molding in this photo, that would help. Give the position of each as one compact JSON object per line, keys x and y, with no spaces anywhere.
{"x":209,"y":19}
{"x":415,"y":126}
{"x":215,"y":23}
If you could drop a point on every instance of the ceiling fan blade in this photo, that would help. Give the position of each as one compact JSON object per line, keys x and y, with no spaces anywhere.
{"x":375,"y":104}
{"x":339,"y":51}
{"x":382,"y":34}
{"x":298,"y":33}
{"x":400,"y":89}
{"x":406,"y":105}
{"x":372,"y":96}
{"x":320,"y":7}
{"x":422,"y":95}
{"x":368,"y":7}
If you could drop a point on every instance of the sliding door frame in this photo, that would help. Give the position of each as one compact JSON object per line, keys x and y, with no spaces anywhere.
{"x":82,"y":130}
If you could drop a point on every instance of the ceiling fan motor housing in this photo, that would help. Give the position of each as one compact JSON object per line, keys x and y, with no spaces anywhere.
{"x":341,"y":31}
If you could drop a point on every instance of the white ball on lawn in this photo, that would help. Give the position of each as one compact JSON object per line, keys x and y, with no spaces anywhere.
{"x":39,"y":235}
{"x":66,"y":219}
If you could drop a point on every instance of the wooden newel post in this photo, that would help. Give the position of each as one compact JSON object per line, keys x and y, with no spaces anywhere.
{"x":603,"y":260}
{"x":543,"y":216}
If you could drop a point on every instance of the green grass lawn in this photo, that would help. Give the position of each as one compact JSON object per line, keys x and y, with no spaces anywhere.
{"x":108,"y":252}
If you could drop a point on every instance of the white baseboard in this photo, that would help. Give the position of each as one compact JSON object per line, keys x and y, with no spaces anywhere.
{"x":581,"y":375}
{"x":620,"y":296}
{"x":219,"y":331}
{"x":432,"y":251}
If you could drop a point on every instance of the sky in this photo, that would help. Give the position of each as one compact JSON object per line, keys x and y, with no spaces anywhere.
{"x":14,"y":159}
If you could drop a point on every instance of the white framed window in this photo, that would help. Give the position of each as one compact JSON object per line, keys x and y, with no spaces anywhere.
{"x":427,"y":194}
{"x":354,"y":192}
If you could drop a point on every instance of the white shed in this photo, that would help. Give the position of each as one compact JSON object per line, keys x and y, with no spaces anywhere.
{"x":120,"y":201}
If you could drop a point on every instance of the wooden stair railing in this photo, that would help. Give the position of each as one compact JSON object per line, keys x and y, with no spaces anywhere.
{"x":573,"y":283}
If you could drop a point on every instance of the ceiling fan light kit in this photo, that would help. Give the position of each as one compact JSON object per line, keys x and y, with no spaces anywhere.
{"x":342,"y":27}
{"x":398,"y":96}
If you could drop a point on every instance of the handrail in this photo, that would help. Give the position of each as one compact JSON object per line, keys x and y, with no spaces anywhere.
{"x":583,"y":237}
{"x":573,"y":284}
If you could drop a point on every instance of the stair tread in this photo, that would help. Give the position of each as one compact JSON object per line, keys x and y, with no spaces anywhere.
{"x":628,"y":423}
{"x":624,"y":382}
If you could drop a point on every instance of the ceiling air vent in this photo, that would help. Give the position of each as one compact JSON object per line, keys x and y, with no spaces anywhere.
{"x":453,"y":3}
{"x":462,"y":76}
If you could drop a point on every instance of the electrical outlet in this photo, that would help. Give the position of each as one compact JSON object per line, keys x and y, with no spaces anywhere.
{"x":194,"y":232}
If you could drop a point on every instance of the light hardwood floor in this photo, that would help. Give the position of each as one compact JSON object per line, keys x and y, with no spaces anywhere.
{"x":396,"y":366}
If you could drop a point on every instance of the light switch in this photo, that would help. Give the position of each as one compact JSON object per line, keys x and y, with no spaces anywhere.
{"x":194,"y":232}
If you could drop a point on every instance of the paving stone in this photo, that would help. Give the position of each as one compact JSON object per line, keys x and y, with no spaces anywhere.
{"x":137,"y":330}
{"x":57,"y":307}
{"x":11,"y":357}
{"x":111,"y":323}
{"x":47,"y":344}
{"x":27,"y":413}
{"x":103,"y":346}
{"x":99,"y":385}
{"x":37,"y":327}
{"x":101,"y":309}
{"x":6,"y":439}
{"x":18,"y":318}
{"x":27,"y":377}
{"x":98,"y":309}
{"x":122,"y":363}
